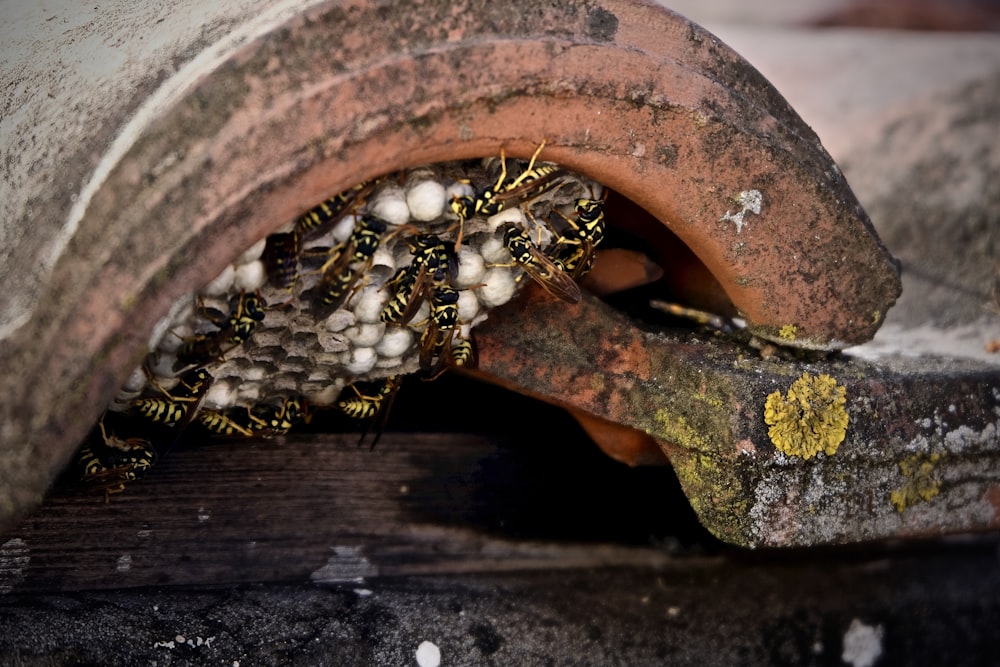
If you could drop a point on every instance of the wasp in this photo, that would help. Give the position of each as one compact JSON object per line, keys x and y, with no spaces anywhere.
{"x":347,"y":263}
{"x":463,"y":353}
{"x":457,"y":352}
{"x":434,"y":265}
{"x":262,"y":420}
{"x":178,"y":407}
{"x":574,"y":251}
{"x":199,"y":349}
{"x":404,"y":283}
{"x":702,"y":317}
{"x":440,"y":327}
{"x":110,"y":462}
{"x":366,"y":406}
{"x":589,"y":225}
{"x":588,"y":228}
{"x":270,"y":420}
{"x":492,"y":199}
{"x":536,"y":264}
{"x":281,"y":259}
{"x":372,"y":406}
{"x":281,"y":254}
{"x":323,"y":215}
{"x":572,"y":259}
{"x":230,"y":423}
{"x":436,"y":257}
{"x":246,"y":312}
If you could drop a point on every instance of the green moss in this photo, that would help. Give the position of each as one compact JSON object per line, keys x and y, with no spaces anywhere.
{"x":811,"y":418}
{"x":921,"y":484}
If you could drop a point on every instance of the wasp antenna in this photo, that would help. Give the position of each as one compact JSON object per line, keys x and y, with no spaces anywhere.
{"x":503,"y":167}
{"x":534,"y":156}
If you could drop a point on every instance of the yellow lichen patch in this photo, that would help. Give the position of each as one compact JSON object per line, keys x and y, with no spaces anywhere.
{"x":709,"y":399}
{"x":812,"y":418}
{"x":921,"y":482}
{"x":788,"y":332}
{"x":675,"y":429}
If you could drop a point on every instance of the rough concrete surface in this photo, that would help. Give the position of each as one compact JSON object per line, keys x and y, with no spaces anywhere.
{"x":944,"y":182}
{"x":924,"y":606}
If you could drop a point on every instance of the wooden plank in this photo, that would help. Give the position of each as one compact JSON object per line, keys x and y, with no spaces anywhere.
{"x":316,"y":506}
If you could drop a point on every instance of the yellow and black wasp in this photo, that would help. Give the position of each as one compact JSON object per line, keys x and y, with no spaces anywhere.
{"x":178,"y":405}
{"x":246,"y":312}
{"x":347,"y":263}
{"x":438,"y":335}
{"x":281,"y":253}
{"x":264,"y":420}
{"x":574,"y":251}
{"x":572,"y":259}
{"x":271,"y":419}
{"x":322,"y":216}
{"x":403,"y":284}
{"x":372,"y":406}
{"x":108,"y":462}
{"x":281,"y":259}
{"x":536,"y":264}
{"x":492,"y":199}
{"x":230,"y":423}
{"x":456,"y":352}
{"x":434,"y":265}
{"x":462,"y":353}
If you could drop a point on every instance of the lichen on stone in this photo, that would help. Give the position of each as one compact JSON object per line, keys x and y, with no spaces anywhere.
{"x":811,"y":418}
{"x":922,"y":483}
{"x":788,"y":332}
{"x":676,"y":429}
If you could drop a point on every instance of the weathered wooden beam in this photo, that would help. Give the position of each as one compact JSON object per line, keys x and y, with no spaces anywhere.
{"x":319,"y":507}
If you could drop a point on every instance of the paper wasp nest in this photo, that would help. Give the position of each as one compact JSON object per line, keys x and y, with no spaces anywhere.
{"x":386,"y":279}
